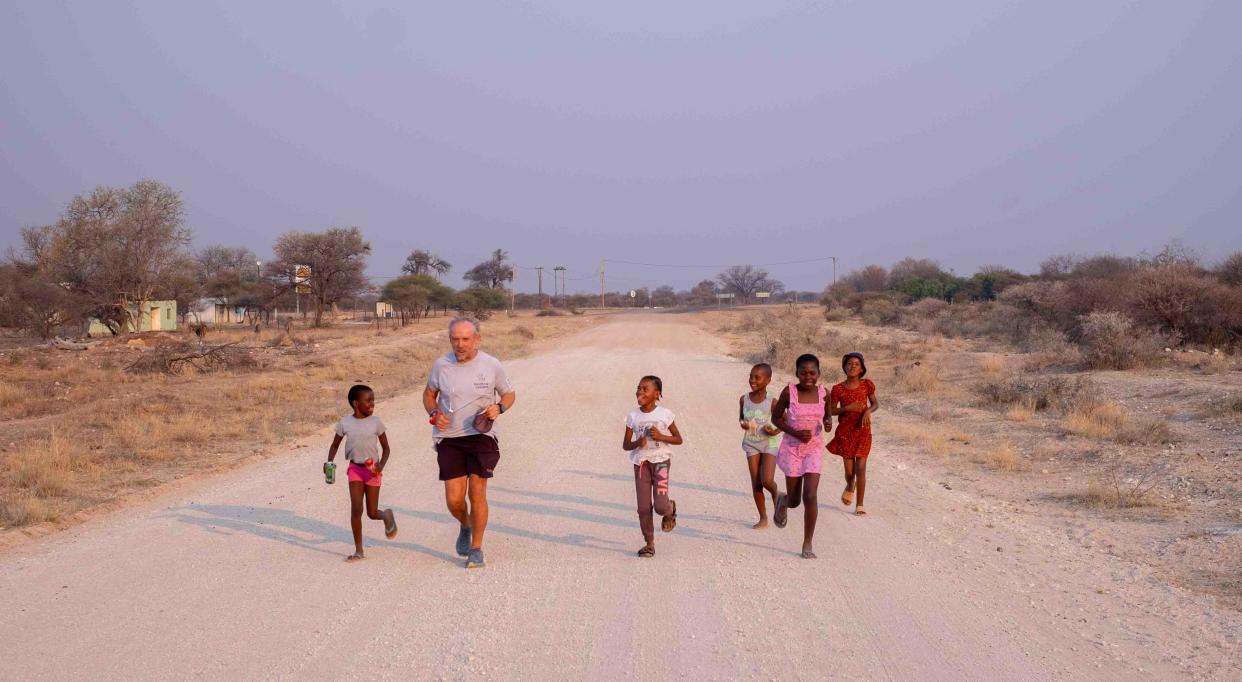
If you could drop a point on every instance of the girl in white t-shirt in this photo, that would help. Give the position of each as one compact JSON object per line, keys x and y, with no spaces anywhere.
{"x":364,"y":434}
{"x":650,"y":451}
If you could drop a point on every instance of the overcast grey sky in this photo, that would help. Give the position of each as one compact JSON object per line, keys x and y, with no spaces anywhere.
{"x":698,"y":132}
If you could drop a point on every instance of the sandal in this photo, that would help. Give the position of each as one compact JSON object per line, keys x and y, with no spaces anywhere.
{"x":781,"y":516}
{"x":670,"y":522}
{"x":646,"y":552}
{"x":860,"y":511}
{"x":847,"y":496}
{"x":390,"y":524}
{"x":356,"y":556}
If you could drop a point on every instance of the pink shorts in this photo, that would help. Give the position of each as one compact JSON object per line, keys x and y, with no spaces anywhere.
{"x":793,"y":465}
{"x":361,"y":474}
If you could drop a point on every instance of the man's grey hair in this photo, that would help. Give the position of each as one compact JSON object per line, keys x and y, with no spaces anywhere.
{"x":458,"y":320}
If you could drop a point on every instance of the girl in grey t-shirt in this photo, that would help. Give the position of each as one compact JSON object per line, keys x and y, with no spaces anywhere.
{"x":364,"y":434}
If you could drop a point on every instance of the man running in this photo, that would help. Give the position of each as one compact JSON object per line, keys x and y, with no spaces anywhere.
{"x":460,"y":399}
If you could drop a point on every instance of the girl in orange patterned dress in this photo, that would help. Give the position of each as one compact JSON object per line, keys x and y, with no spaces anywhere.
{"x":853,"y":400}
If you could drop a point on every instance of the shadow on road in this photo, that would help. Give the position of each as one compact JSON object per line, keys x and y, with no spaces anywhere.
{"x":282,"y":525}
{"x":569,"y":539}
{"x":630,"y":522}
{"x":675,"y":484}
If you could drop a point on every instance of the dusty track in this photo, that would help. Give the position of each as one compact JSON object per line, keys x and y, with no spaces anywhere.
{"x":242,"y":576}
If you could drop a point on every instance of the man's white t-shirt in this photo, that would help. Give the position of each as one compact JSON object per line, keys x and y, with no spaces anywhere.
{"x":639,"y":422}
{"x":466,"y":389}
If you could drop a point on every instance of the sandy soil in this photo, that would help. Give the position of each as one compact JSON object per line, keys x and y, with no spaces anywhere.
{"x":242,"y":575}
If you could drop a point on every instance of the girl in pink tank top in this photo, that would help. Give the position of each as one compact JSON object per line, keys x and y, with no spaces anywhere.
{"x":800,"y":413}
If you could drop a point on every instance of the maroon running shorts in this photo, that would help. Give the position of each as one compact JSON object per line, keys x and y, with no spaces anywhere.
{"x":475,"y":455}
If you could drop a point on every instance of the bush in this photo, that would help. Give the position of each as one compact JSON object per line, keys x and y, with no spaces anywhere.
{"x":1062,"y":394}
{"x":1109,"y":340}
{"x":1230,"y":269}
{"x":479,"y":302}
{"x":880,"y":311}
{"x":550,"y":312}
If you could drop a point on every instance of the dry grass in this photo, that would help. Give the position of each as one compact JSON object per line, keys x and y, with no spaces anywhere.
{"x":992,"y":364}
{"x":83,"y":431}
{"x":1118,"y":488}
{"x":1065,"y":394}
{"x":1023,"y":412}
{"x":1002,"y":457}
{"x":919,"y":377}
{"x":1109,"y":422}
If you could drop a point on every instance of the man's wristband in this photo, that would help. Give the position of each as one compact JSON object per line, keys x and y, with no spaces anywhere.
{"x":431,"y":416}
{"x":502,"y":407}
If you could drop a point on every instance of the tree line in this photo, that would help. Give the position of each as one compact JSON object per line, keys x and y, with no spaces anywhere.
{"x":115,"y":249}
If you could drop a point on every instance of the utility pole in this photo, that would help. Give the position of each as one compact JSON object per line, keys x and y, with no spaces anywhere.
{"x":513,"y":293}
{"x":834,"y":269}
{"x":558,"y":273}
{"x":601,"y":283}
{"x":540,"y":271}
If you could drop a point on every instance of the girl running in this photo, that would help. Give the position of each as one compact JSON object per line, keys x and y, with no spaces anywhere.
{"x":761,"y":440}
{"x":854,"y":400}
{"x":364,"y":434}
{"x":800,"y":413}
{"x":650,"y":451}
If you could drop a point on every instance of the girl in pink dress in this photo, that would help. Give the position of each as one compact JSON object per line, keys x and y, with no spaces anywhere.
{"x":800,"y":413}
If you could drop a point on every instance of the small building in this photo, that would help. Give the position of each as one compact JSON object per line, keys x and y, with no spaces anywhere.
{"x":156,"y":316}
{"x":383,"y":310}
{"x":216,"y":311}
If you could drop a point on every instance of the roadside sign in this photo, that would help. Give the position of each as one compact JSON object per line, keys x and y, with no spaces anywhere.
{"x":301,"y":273}
{"x":633,"y":293}
{"x":763,"y":294}
{"x":302,"y":288}
{"x":724,"y":295}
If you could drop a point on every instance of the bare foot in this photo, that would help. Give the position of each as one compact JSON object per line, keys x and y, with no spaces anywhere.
{"x":847,"y":496}
{"x":860,"y":511}
{"x":390,"y":524}
{"x":781,"y":516}
{"x":763,"y":523}
{"x":807,"y":553}
{"x":356,"y":556}
{"x":647,"y":551}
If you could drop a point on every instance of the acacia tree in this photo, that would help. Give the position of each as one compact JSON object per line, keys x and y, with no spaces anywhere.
{"x":746,"y":280}
{"x":870,"y":278}
{"x":415,"y":295}
{"x":336,"y":257}
{"x":422,"y":262}
{"x":113,"y":249}
{"x":492,"y":273}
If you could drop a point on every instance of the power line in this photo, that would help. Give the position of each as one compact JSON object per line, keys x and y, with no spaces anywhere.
{"x":684,"y":265}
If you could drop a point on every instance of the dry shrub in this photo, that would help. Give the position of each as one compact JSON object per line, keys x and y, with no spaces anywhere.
{"x":524,"y":332}
{"x":44,"y":469}
{"x":784,"y":337}
{"x":1182,"y":300}
{"x":1064,"y":394}
{"x":917,"y":378}
{"x":1020,"y":413}
{"x":992,"y":364}
{"x":20,"y":508}
{"x":1002,"y":457}
{"x":42,"y":361}
{"x":1115,"y":490}
{"x":550,"y":312}
{"x":1108,"y":422}
{"x":10,"y":395}
{"x":880,"y":311}
{"x":932,"y":439}
{"x":836,"y":314}
{"x":1110,"y":340}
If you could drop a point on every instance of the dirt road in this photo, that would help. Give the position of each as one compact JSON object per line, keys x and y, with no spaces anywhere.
{"x":241,"y":576}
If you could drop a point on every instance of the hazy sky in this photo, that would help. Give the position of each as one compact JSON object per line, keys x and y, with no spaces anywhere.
{"x":687,"y":132}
